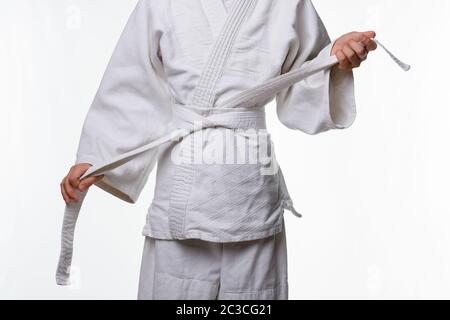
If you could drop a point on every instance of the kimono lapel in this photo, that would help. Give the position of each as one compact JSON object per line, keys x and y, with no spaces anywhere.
{"x":216,"y":13}
{"x":204,"y":94}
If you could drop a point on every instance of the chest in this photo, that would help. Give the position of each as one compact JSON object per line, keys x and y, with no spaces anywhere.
{"x":193,"y":28}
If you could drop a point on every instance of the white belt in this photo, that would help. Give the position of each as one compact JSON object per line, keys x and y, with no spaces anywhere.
{"x":242,"y":111}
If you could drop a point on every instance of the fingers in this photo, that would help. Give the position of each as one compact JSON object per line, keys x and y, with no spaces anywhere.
{"x":361,"y":36}
{"x":356,"y":36}
{"x":71,"y":183}
{"x":64,"y":193}
{"x":351,"y":56}
{"x":344,"y":64}
{"x":367,"y":41}
{"x":358,"y":49}
{"x":88,"y":182}
{"x":353,"y":48}
{"x":365,"y":38}
{"x":76,"y":172}
{"x":370,"y":34}
{"x":371,"y":45}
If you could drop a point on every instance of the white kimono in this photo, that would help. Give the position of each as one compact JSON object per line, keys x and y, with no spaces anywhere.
{"x":179,"y":62}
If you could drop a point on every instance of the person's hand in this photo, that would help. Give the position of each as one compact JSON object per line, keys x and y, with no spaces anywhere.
{"x":72,"y":182}
{"x":352,"y":49}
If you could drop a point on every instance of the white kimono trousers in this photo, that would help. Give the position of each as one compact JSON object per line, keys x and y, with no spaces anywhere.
{"x":180,"y":62}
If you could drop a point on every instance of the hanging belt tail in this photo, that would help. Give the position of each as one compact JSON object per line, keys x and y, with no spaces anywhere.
{"x":71,"y":214}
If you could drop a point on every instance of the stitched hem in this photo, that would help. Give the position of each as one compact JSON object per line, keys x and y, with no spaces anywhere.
{"x":273,"y":289}
{"x":279,"y":292}
{"x":179,"y":287}
{"x":200,"y":235}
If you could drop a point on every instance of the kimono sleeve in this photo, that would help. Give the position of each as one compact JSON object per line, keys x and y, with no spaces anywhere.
{"x":324,"y":101}
{"x":131,"y":107}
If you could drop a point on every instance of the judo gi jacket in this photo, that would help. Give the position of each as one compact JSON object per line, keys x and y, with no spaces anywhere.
{"x":204,"y":70}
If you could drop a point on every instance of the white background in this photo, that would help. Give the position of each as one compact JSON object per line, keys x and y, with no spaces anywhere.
{"x":374,"y":197}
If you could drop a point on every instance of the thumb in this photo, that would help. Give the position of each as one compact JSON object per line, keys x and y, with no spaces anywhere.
{"x":88,"y":182}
